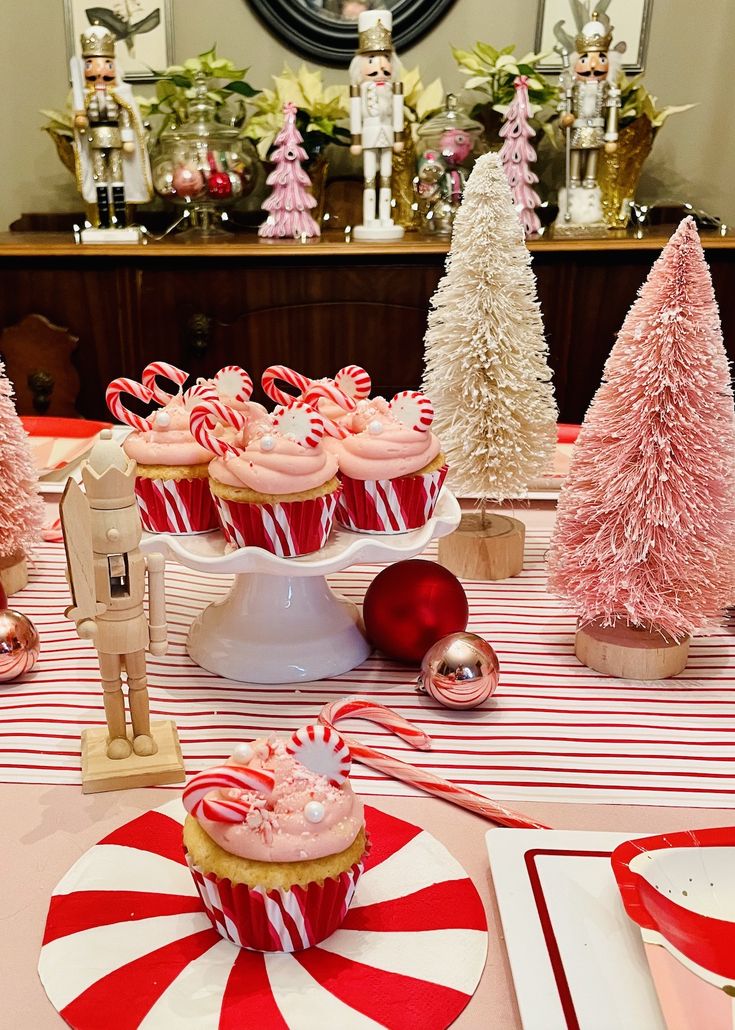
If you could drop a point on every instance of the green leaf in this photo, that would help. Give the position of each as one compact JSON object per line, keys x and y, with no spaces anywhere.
{"x":243,"y":88}
{"x":526,"y":69}
{"x":181,"y":81}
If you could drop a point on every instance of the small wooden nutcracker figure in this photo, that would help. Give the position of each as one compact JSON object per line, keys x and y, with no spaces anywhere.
{"x":107,"y":575}
{"x":376,"y":121}
{"x":110,"y":149}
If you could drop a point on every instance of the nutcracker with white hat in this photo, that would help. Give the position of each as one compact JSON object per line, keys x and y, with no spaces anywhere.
{"x":376,"y":121}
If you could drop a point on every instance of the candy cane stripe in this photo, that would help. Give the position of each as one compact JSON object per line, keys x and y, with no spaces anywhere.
{"x":283,"y":374}
{"x":113,"y":394}
{"x":162,"y":368}
{"x":226,"y":777}
{"x":203,"y":419}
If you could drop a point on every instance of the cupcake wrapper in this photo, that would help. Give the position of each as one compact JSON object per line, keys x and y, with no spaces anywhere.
{"x":276,"y":920}
{"x":389,"y":505}
{"x":175,"y":505}
{"x":288,"y":529}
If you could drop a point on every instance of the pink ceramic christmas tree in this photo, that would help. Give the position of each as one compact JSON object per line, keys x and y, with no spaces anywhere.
{"x":517,"y":155}
{"x":289,"y":204}
{"x":645,"y":530}
{"x":21,"y":508}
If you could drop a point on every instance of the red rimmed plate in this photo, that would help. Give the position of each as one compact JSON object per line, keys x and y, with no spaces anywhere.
{"x":56,"y":443}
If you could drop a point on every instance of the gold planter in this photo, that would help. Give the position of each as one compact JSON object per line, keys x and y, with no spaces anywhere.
{"x":318,"y":171}
{"x":404,"y":198}
{"x":620,"y":172}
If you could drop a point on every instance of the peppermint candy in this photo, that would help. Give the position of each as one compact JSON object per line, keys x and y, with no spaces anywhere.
{"x":201,"y":391}
{"x":299,"y":422}
{"x":413,"y":409}
{"x":233,"y":381}
{"x":162,"y":368}
{"x":113,"y":396}
{"x":283,"y":374}
{"x":321,"y":750}
{"x":225,"y":777}
{"x":354,"y":381}
{"x":203,"y":420}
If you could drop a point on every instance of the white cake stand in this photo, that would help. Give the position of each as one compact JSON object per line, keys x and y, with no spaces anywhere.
{"x":281,"y":622}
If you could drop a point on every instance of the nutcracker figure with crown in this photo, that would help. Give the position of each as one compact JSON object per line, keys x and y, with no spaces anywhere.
{"x":376,"y":121}
{"x":589,"y":105}
{"x":109,"y":140}
{"x":107,"y":574}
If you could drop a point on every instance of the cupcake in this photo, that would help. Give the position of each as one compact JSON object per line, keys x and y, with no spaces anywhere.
{"x":275,"y":840}
{"x":172,"y":479}
{"x":275,"y":486}
{"x":390,"y":465}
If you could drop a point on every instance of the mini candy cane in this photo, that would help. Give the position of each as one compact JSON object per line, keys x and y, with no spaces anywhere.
{"x":224,"y":810}
{"x":354,"y":381}
{"x":287,"y":375}
{"x":322,"y":750}
{"x":420,"y":778}
{"x":233,"y":381}
{"x":166,"y":371}
{"x":204,"y":417}
{"x":331,"y":392}
{"x":299,"y":422}
{"x":412,"y":409}
{"x":112,"y":395}
{"x":225,"y":777}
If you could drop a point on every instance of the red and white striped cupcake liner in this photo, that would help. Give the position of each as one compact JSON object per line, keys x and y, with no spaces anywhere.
{"x":175,"y":505}
{"x":287,"y":529}
{"x":279,"y":919}
{"x":389,"y":505}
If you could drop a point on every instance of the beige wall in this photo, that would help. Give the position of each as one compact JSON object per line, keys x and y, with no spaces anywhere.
{"x":694,"y":157}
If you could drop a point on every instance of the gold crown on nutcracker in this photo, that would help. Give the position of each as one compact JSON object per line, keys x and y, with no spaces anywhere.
{"x":109,"y":475}
{"x":97,"y":42}
{"x":375,"y":39}
{"x":596,"y":35}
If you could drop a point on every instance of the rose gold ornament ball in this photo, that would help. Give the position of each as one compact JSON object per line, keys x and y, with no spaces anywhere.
{"x":19,"y":645}
{"x":460,"y":671}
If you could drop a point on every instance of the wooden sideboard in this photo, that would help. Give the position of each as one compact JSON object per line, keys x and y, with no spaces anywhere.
{"x":107,"y":311}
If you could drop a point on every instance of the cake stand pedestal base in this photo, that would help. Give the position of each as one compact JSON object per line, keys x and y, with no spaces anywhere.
{"x":489,"y":548}
{"x":278,"y":629}
{"x":627,"y":652}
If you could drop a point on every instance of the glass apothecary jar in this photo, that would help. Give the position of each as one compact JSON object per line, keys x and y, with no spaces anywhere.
{"x":446,"y":149}
{"x":203,"y":165}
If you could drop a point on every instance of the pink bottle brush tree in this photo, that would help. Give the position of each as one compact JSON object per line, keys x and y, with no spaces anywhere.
{"x":289,"y":203}
{"x":645,"y":529}
{"x":517,"y":155}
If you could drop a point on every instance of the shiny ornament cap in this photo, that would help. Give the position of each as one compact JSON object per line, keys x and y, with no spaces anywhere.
{"x":109,"y":475}
{"x":374,"y":28}
{"x":97,"y":42}
{"x":594,"y":35}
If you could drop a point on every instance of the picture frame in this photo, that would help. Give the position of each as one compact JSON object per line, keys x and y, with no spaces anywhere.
{"x":631,"y":20}
{"x":137,"y":52}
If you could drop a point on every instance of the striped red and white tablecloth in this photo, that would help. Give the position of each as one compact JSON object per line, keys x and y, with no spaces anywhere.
{"x":553,"y":731}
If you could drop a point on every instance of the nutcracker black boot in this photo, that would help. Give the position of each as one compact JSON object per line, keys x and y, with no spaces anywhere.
{"x":103,"y":207}
{"x":118,"y":204}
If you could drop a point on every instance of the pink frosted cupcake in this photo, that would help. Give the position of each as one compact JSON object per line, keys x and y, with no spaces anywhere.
{"x":391,"y":466}
{"x":275,"y":840}
{"x":274,"y":486}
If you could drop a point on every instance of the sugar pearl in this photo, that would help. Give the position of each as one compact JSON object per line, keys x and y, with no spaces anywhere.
{"x":267,"y":443}
{"x":163,"y":419}
{"x":314,"y":811}
{"x":242,"y":753}
{"x":375,"y":428}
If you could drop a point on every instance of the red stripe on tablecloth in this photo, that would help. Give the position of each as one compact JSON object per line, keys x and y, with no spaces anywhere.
{"x":121,"y":999}
{"x":248,"y":999}
{"x":82,"y":910}
{"x":454,"y":904}
{"x":153,"y":832}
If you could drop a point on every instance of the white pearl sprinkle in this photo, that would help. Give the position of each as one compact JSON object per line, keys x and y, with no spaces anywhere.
{"x":267,"y":443}
{"x":242,"y":753}
{"x":163,"y":419}
{"x":375,"y":428}
{"x":314,"y":811}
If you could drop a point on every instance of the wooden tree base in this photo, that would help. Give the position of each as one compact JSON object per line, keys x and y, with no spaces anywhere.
{"x":13,"y":573}
{"x":629,"y":653}
{"x":102,"y":773}
{"x":488,"y":549}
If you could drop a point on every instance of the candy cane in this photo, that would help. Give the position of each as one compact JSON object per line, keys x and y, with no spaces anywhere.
{"x":224,"y":810}
{"x":202,"y":421}
{"x":326,"y":388}
{"x":322,"y":750}
{"x":202,"y":390}
{"x":233,"y":381}
{"x":354,"y":381}
{"x":284,"y":375}
{"x":420,"y":778}
{"x":166,"y":371}
{"x":225,"y":777}
{"x":112,"y":395}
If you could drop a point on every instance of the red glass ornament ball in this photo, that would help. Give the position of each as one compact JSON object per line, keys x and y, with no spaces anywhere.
{"x":411,"y":605}
{"x":219,"y":184}
{"x":187,"y":181}
{"x":3,"y":598}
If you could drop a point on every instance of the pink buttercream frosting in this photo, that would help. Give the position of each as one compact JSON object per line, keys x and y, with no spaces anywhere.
{"x":381,"y":447}
{"x":168,"y":441}
{"x":273,"y":464}
{"x":277,"y":829}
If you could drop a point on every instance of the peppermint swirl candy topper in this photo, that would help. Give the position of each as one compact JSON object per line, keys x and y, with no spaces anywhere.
{"x":322,"y":751}
{"x":203,"y":420}
{"x":225,"y":777}
{"x":113,"y":397}
{"x":354,"y":381}
{"x":233,"y":382}
{"x":413,"y":409}
{"x":299,"y":422}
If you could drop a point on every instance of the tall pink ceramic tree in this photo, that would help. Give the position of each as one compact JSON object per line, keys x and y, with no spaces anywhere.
{"x":646,"y":520}
{"x":289,"y":204}
{"x":517,"y":155}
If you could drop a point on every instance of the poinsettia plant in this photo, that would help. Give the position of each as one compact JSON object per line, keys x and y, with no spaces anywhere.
{"x":493,"y":72}
{"x":420,"y":102}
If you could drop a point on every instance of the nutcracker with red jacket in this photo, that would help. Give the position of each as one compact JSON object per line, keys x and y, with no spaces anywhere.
{"x":376,"y":121}
{"x":112,"y":166}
